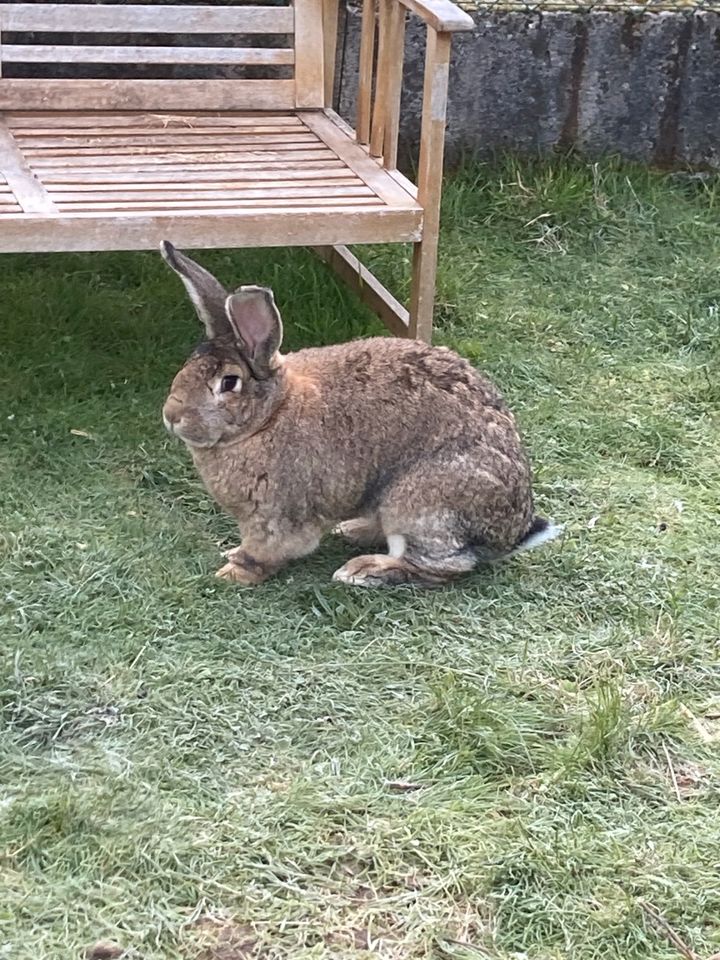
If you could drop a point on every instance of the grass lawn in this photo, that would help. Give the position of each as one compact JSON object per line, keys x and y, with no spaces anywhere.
{"x":523,"y":767}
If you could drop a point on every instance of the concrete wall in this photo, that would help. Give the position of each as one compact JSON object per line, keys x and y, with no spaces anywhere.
{"x":644,"y":86}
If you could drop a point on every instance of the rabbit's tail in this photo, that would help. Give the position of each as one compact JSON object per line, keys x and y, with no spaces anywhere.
{"x":541,"y":531}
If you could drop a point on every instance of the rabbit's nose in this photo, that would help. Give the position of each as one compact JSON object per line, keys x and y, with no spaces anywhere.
{"x":172,"y":412}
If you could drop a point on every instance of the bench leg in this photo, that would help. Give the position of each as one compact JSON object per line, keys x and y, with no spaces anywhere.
{"x":367,"y":286}
{"x":422,"y":289}
{"x":432,"y":142}
{"x":418,"y":321}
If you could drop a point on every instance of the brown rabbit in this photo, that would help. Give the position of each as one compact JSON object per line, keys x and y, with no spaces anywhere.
{"x":388,"y":441}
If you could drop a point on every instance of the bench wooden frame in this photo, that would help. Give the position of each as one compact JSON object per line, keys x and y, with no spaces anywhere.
{"x":121,"y":161}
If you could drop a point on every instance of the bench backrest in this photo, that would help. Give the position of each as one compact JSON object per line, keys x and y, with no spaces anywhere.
{"x":263,"y":57}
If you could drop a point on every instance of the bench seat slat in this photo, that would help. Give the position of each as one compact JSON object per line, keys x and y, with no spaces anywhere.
{"x":42,"y":121}
{"x":208,"y":177}
{"x":229,"y":169}
{"x":309,"y":184}
{"x":213,"y":191}
{"x":119,"y":208}
{"x":180,"y":193}
{"x":64,"y":136}
{"x":247,"y":161}
{"x":118,"y":147}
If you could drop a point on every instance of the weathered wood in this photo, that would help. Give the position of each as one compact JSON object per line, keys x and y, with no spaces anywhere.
{"x":305,"y":226}
{"x":367,"y":286}
{"x":199,"y":160}
{"x":67,"y":53}
{"x":174,"y":134}
{"x":166,"y":174}
{"x":330,"y":32}
{"x":341,"y":124}
{"x":248,"y":166}
{"x":144,"y":18}
{"x":382,"y":79}
{"x":29,"y":193}
{"x":146,"y":94}
{"x":157,"y":194}
{"x":119,"y":209}
{"x":101,"y":145}
{"x":432,"y":140}
{"x":51,"y":121}
{"x":403,"y":182}
{"x":214,"y":191}
{"x":441,"y":15}
{"x":174,"y":150}
{"x":396,"y":56}
{"x":408,"y":186}
{"x":357,"y":159}
{"x":365,"y":77}
{"x":309,"y":54}
{"x":139,"y":178}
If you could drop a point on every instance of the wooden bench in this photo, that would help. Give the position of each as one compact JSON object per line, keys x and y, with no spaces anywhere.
{"x":225,"y":141}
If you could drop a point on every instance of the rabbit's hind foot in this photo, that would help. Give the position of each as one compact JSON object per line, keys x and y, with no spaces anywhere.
{"x":382,"y":570}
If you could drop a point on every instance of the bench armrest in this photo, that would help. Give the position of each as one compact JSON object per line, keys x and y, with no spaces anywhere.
{"x":441,"y":15}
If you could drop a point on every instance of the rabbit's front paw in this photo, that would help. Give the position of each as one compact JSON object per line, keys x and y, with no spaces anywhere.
{"x":243,"y":569}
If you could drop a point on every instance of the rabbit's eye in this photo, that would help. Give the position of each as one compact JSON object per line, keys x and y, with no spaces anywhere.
{"x":228,"y":384}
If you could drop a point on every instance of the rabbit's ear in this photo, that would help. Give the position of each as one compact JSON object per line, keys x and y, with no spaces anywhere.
{"x":207,"y":294}
{"x":257,"y":326}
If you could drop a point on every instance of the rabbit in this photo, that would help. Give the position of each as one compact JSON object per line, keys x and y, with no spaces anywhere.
{"x":402,"y":448}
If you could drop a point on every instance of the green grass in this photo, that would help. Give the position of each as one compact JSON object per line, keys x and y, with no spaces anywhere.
{"x":196,"y":771}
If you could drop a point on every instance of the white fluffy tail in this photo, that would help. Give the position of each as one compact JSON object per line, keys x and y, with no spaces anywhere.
{"x":540,"y":532}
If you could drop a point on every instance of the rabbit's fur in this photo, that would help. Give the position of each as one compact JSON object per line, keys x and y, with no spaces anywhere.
{"x":390,"y":441}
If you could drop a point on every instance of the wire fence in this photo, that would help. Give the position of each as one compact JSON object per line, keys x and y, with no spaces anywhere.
{"x":587,"y":6}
